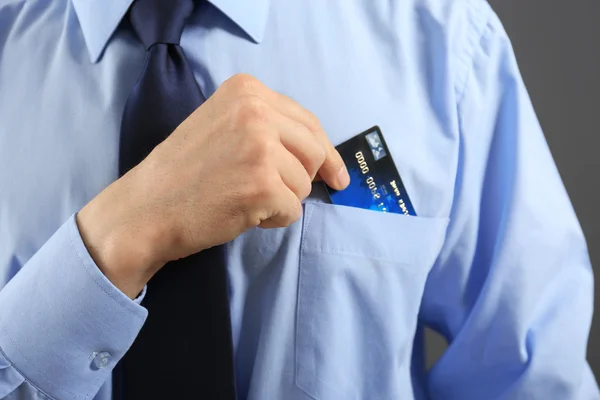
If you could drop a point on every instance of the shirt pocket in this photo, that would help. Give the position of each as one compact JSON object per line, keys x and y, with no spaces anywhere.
{"x":361,"y":279}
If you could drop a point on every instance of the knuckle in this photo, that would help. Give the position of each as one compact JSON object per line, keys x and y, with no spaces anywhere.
{"x":305,"y":189}
{"x":336,"y":163}
{"x":312,"y":122}
{"x":262,"y":183}
{"x":258,"y":147}
{"x":293,"y":215}
{"x":251,"y":110}
{"x":243,"y":83}
{"x":270,"y":183}
{"x":317,"y":158}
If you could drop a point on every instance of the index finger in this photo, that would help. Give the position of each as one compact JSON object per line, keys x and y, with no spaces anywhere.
{"x":333,"y":170}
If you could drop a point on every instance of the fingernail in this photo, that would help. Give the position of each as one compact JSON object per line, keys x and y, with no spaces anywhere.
{"x":343,"y":177}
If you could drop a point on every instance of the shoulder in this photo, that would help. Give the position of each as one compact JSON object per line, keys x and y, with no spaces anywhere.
{"x":25,"y":21}
{"x":462,"y":23}
{"x":456,"y":16}
{"x":9,"y":9}
{"x":462,"y":30}
{"x":25,"y":12}
{"x":30,"y":33}
{"x":7,"y":3}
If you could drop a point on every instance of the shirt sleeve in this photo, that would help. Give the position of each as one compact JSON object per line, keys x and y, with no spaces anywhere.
{"x":512,"y":290}
{"x":63,"y":324}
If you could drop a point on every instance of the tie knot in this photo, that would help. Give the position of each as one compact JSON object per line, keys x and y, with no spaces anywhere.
{"x":159,"y":21}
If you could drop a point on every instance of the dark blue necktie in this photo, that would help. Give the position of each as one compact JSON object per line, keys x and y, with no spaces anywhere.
{"x":184,"y":349}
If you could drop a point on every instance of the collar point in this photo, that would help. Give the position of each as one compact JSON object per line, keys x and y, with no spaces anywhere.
{"x":256,"y":37}
{"x":98,"y":21}
{"x":251,"y":17}
{"x":94,"y":55}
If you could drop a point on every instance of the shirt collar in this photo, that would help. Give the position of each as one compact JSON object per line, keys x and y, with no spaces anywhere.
{"x":99,"y":19}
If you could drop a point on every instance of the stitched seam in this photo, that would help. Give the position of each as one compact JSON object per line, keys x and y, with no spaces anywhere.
{"x":360,"y":255}
{"x":308,"y":221}
{"x":16,"y":346}
{"x":459,"y":104}
{"x":299,"y":298}
{"x":469,"y":53}
{"x":97,"y":283}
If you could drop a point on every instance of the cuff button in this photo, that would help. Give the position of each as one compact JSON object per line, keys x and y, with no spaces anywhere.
{"x":100,"y":360}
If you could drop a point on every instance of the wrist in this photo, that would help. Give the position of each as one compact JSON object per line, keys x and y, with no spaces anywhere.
{"x":122,"y":247}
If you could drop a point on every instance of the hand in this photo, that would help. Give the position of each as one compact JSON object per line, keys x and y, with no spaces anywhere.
{"x":245,"y":158}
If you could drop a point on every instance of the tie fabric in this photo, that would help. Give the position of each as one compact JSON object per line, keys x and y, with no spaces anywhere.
{"x":184,"y":349}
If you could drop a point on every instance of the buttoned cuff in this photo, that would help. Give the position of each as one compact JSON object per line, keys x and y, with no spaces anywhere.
{"x":63,"y":324}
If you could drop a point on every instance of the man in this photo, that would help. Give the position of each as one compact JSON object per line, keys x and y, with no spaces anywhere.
{"x":173,"y":140}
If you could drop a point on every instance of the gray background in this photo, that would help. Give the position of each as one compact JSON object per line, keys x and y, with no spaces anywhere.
{"x":558,"y":49}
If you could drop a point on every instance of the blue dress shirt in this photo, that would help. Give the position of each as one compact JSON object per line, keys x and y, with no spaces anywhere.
{"x":334,"y":306}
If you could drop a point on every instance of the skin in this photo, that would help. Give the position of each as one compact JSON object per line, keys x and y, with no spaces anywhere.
{"x":246,"y":158}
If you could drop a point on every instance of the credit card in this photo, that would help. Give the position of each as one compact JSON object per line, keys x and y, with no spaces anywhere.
{"x":375,"y":183}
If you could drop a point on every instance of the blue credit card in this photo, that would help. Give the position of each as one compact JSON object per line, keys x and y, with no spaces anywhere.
{"x":375,"y":183}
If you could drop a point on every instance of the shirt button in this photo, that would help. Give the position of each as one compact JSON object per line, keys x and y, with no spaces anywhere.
{"x":101,"y":359}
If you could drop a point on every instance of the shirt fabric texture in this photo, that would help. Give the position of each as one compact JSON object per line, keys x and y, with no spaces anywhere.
{"x":334,"y":306}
